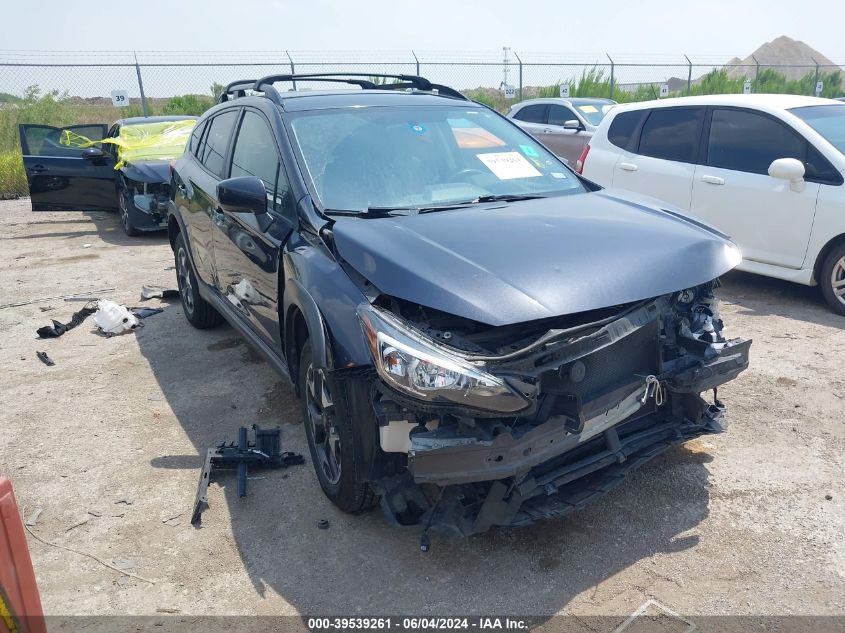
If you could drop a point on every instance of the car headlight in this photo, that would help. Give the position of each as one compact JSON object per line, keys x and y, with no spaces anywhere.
{"x":410,"y":362}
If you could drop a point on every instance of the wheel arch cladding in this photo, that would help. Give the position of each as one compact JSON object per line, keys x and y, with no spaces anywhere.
{"x":173,"y":230}
{"x":303,"y":320}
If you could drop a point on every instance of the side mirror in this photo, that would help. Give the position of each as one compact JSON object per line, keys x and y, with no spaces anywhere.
{"x":572,"y":124}
{"x":245,"y":194}
{"x":790,"y":169}
{"x":92,"y":153}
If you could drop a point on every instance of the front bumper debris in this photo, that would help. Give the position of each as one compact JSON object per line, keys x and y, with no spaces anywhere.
{"x":604,"y":403}
{"x":462,"y":459}
{"x":557,"y":487}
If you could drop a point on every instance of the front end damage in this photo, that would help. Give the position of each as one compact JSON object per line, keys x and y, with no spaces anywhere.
{"x":500,"y":426}
{"x":148,"y":192}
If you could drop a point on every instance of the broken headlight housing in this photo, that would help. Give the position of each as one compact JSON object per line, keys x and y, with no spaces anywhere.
{"x":410,"y":362}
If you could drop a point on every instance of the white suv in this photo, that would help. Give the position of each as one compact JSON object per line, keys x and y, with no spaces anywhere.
{"x":765,"y":169}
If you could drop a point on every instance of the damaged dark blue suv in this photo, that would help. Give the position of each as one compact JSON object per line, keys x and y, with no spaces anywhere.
{"x":479,"y":336}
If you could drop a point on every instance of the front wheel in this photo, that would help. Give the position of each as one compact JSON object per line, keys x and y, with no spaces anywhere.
{"x":123,"y":201}
{"x":832,"y":279}
{"x":329,"y":431}
{"x":198,"y":311}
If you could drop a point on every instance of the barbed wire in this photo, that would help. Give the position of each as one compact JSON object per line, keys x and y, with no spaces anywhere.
{"x":371,"y":56}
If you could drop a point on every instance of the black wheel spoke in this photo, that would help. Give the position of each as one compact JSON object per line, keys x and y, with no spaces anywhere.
{"x":320,"y":418}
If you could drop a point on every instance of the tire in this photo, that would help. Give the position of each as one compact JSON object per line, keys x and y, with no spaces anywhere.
{"x":197,"y":310}
{"x":330,"y":441}
{"x":123,"y":203}
{"x":832,"y":279}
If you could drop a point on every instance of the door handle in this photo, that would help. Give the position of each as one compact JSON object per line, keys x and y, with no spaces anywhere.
{"x":628,"y":166}
{"x":547,"y":131}
{"x":713,"y":180}
{"x":37,"y":169}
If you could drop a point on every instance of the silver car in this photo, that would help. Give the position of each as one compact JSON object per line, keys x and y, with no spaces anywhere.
{"x":565,"y":126}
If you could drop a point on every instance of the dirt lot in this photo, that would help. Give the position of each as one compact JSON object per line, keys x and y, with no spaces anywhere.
{"x":107,"y":443}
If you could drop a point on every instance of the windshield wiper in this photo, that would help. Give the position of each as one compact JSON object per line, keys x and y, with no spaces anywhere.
{"x":507,"y":197}
{"x":383,"y":212}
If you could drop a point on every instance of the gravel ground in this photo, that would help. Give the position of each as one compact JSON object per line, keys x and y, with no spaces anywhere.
{"x":107,"y":444}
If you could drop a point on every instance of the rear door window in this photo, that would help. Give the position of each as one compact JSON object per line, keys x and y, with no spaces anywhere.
{"x":535,"y":113}
{"x":672,"y":134}
{"x":217,"y":142}
{"x":623,"y":127}
{"x":196,"y":137}
{"x":743,"y":140}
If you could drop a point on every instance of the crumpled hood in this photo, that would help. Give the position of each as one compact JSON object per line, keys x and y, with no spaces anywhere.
{"x":534,"y":259}
{"x":148,"y":171}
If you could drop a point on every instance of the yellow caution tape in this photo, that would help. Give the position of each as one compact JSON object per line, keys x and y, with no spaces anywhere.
{"x":6,"y":616}
{"x":161,"y":140}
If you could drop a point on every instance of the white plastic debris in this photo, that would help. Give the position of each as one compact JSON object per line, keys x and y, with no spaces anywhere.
{"x":113,"y":318}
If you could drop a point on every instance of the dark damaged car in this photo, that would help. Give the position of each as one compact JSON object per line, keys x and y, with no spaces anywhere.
{"x":124,"y":167}
{"x":479,"y":336}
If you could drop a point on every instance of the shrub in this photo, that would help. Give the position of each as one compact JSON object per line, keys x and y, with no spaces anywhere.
{"x":12,"y":175}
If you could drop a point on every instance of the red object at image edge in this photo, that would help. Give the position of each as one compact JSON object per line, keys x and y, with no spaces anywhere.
{"x":20,"y":604}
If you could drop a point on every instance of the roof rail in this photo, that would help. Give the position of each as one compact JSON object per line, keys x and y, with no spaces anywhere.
{"x":404,"y":82}
{"x":236,"y":89}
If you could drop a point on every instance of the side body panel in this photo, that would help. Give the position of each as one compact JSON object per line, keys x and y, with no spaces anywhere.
{"x":769,"y":222}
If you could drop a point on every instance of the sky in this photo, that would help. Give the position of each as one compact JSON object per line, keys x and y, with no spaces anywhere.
{"x":630,"y":28}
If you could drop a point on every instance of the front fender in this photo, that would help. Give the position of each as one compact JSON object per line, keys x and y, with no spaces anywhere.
{"x":327,"y":298}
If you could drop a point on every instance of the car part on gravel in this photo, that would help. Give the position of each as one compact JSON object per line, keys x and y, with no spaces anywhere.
{"x":112,"y":318}
{"x":264,"y":452}
{"x":57,"y":329}
{"x":153,"y":292}
{"x":42,"y":356}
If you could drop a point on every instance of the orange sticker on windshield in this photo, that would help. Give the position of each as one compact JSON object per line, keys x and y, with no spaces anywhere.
{"x":475,"y":138}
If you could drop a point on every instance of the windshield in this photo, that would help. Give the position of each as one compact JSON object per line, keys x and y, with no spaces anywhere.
{"x":594,"y":112}
{"x":414,"y":157}
{"x":827,"y":120}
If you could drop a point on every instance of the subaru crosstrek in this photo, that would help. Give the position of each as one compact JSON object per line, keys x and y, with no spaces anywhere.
{"x":479,"y":336}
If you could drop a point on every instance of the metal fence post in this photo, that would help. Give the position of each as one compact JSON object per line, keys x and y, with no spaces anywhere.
{"x":756,"y":73}
{"x":417,"y":62}
{"x":612,"y":75}
{"x":689,"y":75}
{"x":141,"y":86}
{"x":292,"y":69}
{"x":816,"y":80}
{"x":519,"y":61}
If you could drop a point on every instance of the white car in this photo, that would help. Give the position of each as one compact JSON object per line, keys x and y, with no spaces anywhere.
{"x":767,"y":170}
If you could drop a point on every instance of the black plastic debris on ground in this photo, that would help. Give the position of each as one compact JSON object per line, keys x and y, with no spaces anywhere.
{"x":264,"y":452}
{"x":57,"y":329}
{"x":143,"y":313}
{"x":42,"y":356}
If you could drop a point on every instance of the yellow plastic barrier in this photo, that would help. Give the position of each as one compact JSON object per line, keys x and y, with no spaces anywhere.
{"x":162,"y":140}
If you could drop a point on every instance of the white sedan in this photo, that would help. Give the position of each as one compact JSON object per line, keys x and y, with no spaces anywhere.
{"x":767,"y":170}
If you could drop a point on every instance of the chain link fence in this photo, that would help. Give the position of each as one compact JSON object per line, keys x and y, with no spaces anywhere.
{"x":60,"y":89}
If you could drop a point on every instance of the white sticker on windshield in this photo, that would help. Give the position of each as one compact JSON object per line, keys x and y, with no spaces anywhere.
{"x":508,"y":165}
{"x":558,"y":174}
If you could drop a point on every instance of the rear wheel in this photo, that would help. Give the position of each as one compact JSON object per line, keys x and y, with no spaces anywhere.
{"x":329,"y":431}
{"x":123,"y":202}
{"x":197,"y":310}
{"x":832,"y":279}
